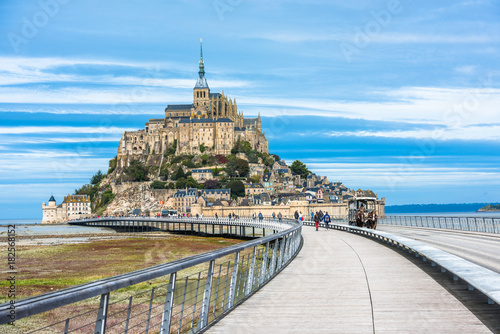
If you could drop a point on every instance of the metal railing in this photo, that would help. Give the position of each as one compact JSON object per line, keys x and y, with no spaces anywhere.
{"x":474,"y":224}
{"x":184,"y":296}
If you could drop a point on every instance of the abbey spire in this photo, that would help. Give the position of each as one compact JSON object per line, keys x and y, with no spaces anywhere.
{"x":201,"y":82}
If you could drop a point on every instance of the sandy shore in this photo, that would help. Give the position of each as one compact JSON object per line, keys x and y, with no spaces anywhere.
{"x":43,"y":235}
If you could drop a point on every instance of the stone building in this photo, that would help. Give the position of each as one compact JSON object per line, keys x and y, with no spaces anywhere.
{"x":72,"y":207}
{"x":211,"y":123}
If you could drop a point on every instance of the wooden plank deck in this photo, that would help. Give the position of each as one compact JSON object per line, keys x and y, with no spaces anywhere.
{"x":344,"y":283}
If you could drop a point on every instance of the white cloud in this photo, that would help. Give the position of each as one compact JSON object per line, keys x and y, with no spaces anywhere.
{"x":63,"y":129}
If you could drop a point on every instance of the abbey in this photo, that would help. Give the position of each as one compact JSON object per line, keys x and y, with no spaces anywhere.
{"x":212,"y":123}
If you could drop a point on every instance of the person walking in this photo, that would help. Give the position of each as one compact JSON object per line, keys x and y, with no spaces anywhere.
{"x":216,"y":216}
{"x":279,"y":217}
{"x":316,"y":220}
{"x":273,"y":215}
{"x":260,"y":217}
{"x":254,"y":216}
{"x":312,"y":216}
{"x":301,"y":218}
{"x":327,"y":220}
{"x":296,"y":215}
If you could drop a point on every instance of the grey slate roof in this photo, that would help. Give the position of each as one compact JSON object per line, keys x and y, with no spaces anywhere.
{"x":239,"y":129}
{"x":179,"y":107}
{"x":215,"y":95}
{"x":201,"y":82}
{"x":216,"y":191}
{"x":52,"y":199}
{"x":224,"y":120}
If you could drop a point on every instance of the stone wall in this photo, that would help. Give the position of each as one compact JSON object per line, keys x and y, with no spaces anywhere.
{"x":333,"y":209}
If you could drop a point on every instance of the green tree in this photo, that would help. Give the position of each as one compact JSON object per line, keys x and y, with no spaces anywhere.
{"x":276,"y":157}
{"x":96,"y":178}
{"x":179,"y":174}
{"x":237,"y":188}
{"x":242,"y":167}
{"x":157,"y":185}
{"x":266,"y":170}
{"x":253,"y":157}
{"x":255,"y":178}
{"x":188,"y":163}
{"x":300,"y":168}
{"x":202,"y":148}
{"x":112,"y":165}
{"x":107,"y":197}
{"x":136,"y":171}
{"x":191,"y":183}
{"x":212,"y":184}
{"x":180,"y":183}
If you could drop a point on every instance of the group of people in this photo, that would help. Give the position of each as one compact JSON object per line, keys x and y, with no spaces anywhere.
{"x":280,"y":216}
{"x":320,"y":217}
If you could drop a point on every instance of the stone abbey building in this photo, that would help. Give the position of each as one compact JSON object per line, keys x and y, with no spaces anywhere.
{"x":211,"y":121}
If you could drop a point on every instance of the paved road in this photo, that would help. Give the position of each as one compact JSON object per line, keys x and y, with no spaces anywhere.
{"x":480,"y":248}
{"x":344,"y":283}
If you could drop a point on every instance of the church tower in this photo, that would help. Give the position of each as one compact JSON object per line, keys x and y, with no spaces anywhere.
{"x":201,"y":91}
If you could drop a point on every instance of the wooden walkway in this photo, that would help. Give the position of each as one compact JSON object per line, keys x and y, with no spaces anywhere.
{"x":344,"y":283}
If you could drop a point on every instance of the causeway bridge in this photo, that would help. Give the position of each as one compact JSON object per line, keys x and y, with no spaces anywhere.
{"x":290,"y":278}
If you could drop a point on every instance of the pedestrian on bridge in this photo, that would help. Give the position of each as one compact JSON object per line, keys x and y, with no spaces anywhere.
{"x":260,"y":217}
{"x":279,"y":217}
{"x":327,"y":220}
{"x":296,"y":215}
{"x":316,"y":220}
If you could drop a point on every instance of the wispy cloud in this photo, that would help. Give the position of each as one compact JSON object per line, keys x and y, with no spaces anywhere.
{"x":62,"y":129}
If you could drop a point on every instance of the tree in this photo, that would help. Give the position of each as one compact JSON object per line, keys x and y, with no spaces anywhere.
{"x":300,"y":168}
{"x":179,"y":174}
{"x":157,"y":185}
{"x":242,"y":167}
{"x":188,"y":163}
{"x":112,"y":165}
{"x":266,"y":170}
{"x":180,"y":183}
{"x":237,"y":167}
{"x":191,"y":183}
{"x":276,"y":157}
{"x":255,"y":178}
{"x":212,"y":184}
{"x":96,"y":178}
{"x":107,"y":197}
{"x":237,"y":188}
{"x":171,"y":150}
{"x":137,"y":171}
{"x":202,"y":148}
{"x":253,"y":157}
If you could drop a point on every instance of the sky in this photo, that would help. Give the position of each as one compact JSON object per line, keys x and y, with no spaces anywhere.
{"x":398,"y":96}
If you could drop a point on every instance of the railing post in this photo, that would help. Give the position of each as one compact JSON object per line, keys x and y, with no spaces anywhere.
{"x":232,"y":285}
{"x":263,"y":269}
{"x":273,"y":259}
{"x":102,"y":315}
{"x":167,"y":309}
{"x":280,"y":255}
{"x":149,"y":311}
{"x":203,"y":320}
{"x":251,"y":272}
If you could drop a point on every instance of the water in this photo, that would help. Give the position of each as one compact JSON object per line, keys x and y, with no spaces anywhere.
{"x":34,"y":221}
{"x":472,"y":214}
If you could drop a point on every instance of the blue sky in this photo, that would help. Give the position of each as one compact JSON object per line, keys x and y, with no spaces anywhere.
{"x":401,"y":97}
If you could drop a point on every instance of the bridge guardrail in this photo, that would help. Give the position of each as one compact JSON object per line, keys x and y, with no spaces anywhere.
{"x":476,"y":277}
{"x":473,"y":224}
{"x":183,"y":303}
